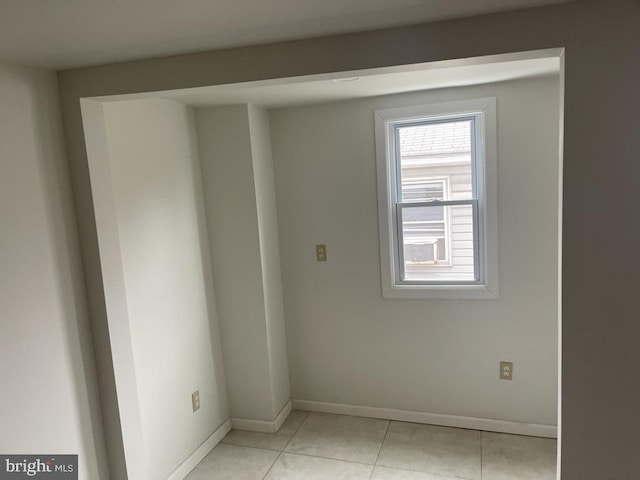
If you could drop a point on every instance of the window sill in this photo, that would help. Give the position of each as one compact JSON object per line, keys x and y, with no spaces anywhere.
{"x":425,"y":292}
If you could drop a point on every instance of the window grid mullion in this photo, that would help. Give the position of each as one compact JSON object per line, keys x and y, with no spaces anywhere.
{"x":437,"y":203}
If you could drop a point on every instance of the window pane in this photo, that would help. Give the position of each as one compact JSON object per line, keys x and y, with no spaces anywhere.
{"x":438,"y":243}
{"x":435,"y":161}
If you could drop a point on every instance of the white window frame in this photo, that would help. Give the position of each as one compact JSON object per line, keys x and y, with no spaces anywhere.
{"x":483,"y":110}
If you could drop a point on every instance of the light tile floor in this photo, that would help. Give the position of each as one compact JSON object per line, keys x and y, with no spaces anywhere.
{"x":319,"y":446}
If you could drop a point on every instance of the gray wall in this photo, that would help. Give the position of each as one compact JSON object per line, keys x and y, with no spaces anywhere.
{"x":48,"y":398}
{"x":600,"y":334}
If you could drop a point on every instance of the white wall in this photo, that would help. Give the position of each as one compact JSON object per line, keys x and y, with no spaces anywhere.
{"x":223,"y":138}
{"x":240,"y":203}
{"x":349,"y":345}
{"x":48,"y":402}
{"x":260,"y":133}
{"x":157,"y":194}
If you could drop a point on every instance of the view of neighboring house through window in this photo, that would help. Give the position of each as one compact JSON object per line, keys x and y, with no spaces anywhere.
{"x":435,"y":167}
{"x":438,"y":199}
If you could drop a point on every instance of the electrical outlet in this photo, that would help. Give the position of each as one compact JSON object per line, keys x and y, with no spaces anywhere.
{"x":321,"y":253}
{"x":506,"y":371}
{"x":195,"y":400}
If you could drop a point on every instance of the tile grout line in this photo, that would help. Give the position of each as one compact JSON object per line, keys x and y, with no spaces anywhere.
{"x":250,"y":446}
{"x":333,"y":459}
{"x":286,"y":445}
{"x":375,"y":464}
{"x":294,"y":433}
{"x":274,"y":462}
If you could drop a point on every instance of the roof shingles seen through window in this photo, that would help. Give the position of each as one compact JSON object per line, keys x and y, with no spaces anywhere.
{"x":435,"y":139}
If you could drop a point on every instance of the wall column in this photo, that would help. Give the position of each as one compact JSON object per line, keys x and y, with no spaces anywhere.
{"x":237,"y":172}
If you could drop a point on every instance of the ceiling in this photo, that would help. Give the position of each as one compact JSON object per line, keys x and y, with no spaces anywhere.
{"x":322,"y":88}
{"x":61,"y":34}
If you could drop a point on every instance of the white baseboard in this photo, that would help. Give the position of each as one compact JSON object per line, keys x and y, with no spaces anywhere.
{"x":473,"y":423}
{"x":282,"y":416}
{"x":202,"y":451}
{"x":264,"y":426}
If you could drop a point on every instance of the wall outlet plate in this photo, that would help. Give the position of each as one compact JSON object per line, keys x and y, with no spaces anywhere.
{"x":195,"y":400}
{"x":506,"y":371}
{"x":321,"y":253}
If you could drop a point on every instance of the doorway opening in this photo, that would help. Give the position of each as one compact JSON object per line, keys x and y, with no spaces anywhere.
{"x":210,"y":203}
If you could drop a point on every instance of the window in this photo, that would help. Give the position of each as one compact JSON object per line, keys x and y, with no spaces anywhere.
{"x":437,"y":200}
